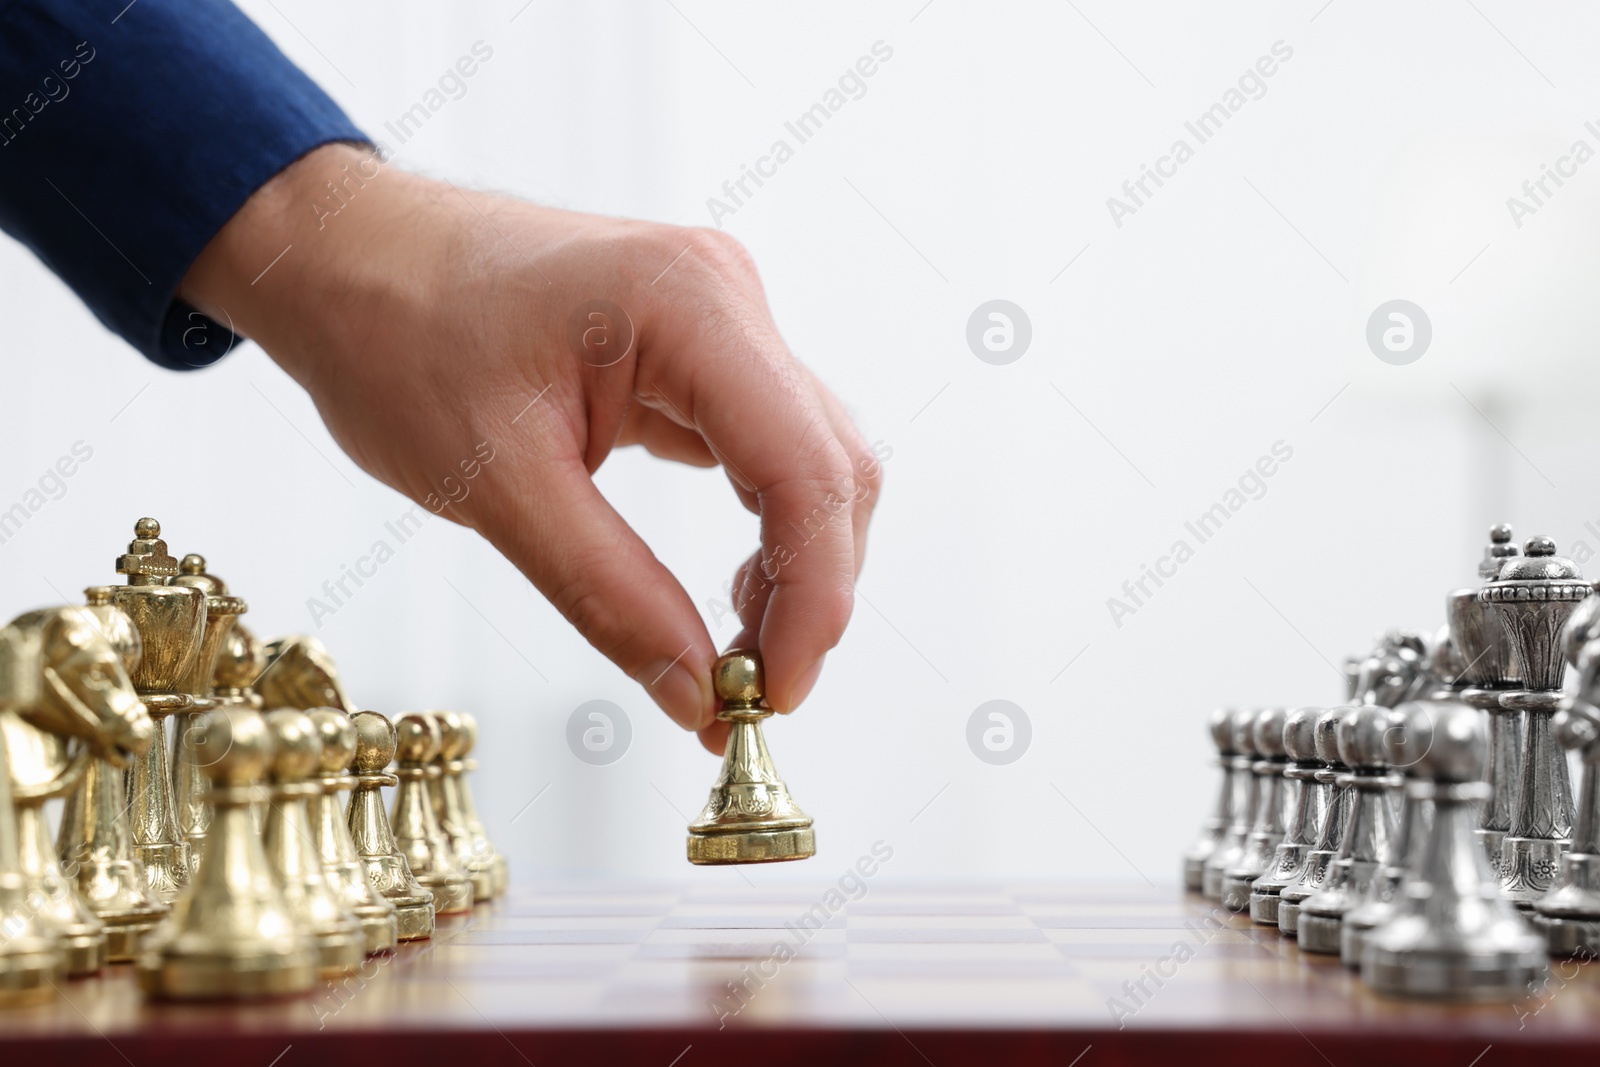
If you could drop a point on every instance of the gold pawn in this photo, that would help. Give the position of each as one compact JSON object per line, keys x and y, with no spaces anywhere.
{"x":292,"y":850}
{"x":386,"y":868}
{"x":231,"y":933}
{"x":344,"y":871}
{"x":473,"y":853}
{"x":502,"y":872}
{"x":749,"y":817}
{"x":416,"y":831}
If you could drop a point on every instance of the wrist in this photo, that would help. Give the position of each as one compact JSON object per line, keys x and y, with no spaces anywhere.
{"x":285,"y":260}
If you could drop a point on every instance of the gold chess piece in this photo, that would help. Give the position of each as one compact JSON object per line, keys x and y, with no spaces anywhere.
{"x":469,"y":807}
{"x":749,"y":817}
{"x":231,"y":933}
{"x":95,"y":843}
{"x":171,"y":622}
{"x":416,"y":831}
{"x":240,"y":661}
{"x":188,"y":781}
{"x":292,"y":847}
{"x":30,"y":954}
{"x":469,"y":810}
{"x":66,"y":701}
{"x":473,"y":853}
{"x":386,"y":868}
{"x":300,"y":674}
{"x":346,"y":875}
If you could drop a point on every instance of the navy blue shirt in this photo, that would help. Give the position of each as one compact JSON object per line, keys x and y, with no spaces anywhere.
{"x":129,"y":134}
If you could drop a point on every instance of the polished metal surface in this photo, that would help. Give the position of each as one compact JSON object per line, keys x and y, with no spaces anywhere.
{"x":171,"y":623}
{"x":188,"y":781}
{"x":299,"y":673}
{"x":387,"y":870}
{"x":345,"y":874}
{"x":750,"y":816}
{"x":1569,"y":914}
{"x":1241,"y":808}
{"x":1220,"y":727}
{"x":1368,"y":829}
{"x":1310,"y":797}
{"x":231,"y":933}
{"x":1453,"y":934}
{"x":1331,"y":830}
{"x":30,"y":951}
{"x":291,"y":846}
{"x":416,"y":831}
{"x":469,"y":808}
{"x":1534,"y":596}
{"x":1276,"y":798}
{"x":473,"y":853}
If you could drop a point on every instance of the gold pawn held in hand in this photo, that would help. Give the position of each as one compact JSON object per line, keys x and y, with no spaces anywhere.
{"x":750,"y":816}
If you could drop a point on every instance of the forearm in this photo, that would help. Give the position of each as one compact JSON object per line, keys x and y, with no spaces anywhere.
{"x":127,"y":146}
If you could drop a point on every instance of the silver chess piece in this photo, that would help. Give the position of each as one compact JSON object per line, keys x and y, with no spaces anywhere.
{"x":1307,"y":802}
{"x":1272,"y":801}
{"x":1453,"y":934}
{"x":1569,"y":915}
{"x":1368,"y":829}
{"x":1489,"y":668}
{"x":1220,"y":725}
{"x":1403,"y":747}
{"x":1242,"y":808}
{"x":1330,"y":830}
{"x":1534,"y":596}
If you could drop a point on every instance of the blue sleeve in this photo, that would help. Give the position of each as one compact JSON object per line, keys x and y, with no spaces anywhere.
{"x":129,"y":134}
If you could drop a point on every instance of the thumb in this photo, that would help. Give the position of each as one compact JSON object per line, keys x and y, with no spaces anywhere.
{"x":604,"y":579}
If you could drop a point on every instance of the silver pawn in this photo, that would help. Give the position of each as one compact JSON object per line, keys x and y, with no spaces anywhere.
{"x":1329,"y":831}
{"x":1402,"y":748}
{"x":1309,"y":802}
{"x":1569,"y":915}
{"x":1220,"y":725}
{"x":1368,"y":828}
{"x":1272,"y":801}
{"x":1242,"y":810}
{"x":1453,"y":934}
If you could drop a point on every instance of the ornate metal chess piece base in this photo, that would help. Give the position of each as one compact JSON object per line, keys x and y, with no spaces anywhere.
{"x":749,"y":817}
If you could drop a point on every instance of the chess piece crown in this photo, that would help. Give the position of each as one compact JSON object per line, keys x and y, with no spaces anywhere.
{"x":749,"y":816}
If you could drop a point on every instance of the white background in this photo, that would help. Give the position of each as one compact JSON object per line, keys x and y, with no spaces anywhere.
{"x":1227,"y":314}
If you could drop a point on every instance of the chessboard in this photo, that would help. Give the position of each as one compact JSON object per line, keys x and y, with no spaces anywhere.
{"x":1077,"y":974}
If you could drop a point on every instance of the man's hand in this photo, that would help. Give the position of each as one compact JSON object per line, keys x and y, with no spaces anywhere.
{"x":431,"y":324}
